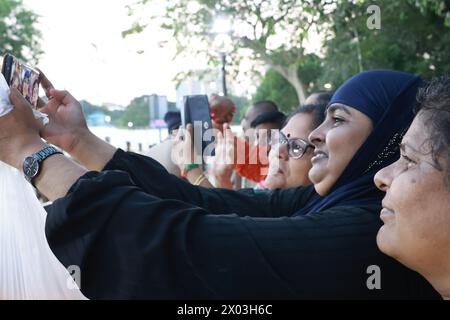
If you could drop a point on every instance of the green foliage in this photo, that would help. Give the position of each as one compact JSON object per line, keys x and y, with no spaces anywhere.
{"x":18,"y":33}
{"x":137,"y":113}
{"x":241,"y":105}
{"x":276,"y":88}
{"x":256,"y":25}
{"x":89,"y":108}
{"x":310,"y":70}
{"x":412,"y":38}
{"x":439,"y":8}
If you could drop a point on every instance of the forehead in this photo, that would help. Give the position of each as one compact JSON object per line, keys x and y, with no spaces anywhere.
{"x":267,"y":126}
{"x":341,"y":107}
{"x":250,"y":111}
{"x":313,"y":99}
{"x":357,"y":117}
{"x":299,"y":126}
{"x":417,"y":135}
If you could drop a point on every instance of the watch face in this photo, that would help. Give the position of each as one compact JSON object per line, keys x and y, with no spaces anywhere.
{"x":30,"y":167}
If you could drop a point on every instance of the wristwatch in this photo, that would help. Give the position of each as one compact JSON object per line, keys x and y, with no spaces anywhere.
{"x":32,"y":164}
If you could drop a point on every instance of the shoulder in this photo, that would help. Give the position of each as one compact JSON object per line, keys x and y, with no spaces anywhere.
{"x":298,"y":197}
{"x":366,"y":217}
{"x":369,"y":210}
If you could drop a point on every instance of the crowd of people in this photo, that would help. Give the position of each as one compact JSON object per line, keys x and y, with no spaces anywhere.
{"x":309,"y":203}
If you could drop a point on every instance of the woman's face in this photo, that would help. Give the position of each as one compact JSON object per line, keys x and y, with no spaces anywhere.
{"x":416,"y":208}
{"x":285,"y":171}
{"x":336,"y":140}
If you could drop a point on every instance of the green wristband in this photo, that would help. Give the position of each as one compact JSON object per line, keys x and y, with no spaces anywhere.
{"x":189,"y":167}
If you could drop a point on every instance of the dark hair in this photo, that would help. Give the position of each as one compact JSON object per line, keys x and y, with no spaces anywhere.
{"x":317,"y":109}
{"x":434,"y":106}
{"x":265,"y":106}
{"x":275,"y":117}
{"x":173,"y":120}
{"x":320,"y":97}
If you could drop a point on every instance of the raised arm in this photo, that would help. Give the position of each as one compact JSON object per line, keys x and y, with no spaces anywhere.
{"x":131,"y":245}
{"x":68,"y":130}
{"x":19,"y":138}
{"x":153,"y":179}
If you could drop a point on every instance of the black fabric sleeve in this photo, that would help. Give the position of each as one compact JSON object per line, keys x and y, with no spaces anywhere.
{"x":153,"y":179}
{"x":132,"y":245}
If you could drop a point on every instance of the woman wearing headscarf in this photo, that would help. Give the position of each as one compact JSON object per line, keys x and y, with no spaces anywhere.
{"x":146,"y":234}
{"x":416,"y":205}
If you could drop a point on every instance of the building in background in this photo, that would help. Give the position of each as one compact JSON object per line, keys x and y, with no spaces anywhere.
{"x":158,"y":107}
{"x":200,"y":82}
{"x":96,"y":118}
{"x":113,"y":107}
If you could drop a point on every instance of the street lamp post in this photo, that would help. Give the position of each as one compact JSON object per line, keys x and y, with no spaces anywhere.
{"x":223,"y":57}
{"x":222,"y":29}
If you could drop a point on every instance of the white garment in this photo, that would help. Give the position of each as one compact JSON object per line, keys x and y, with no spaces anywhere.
{"x":162,"y":153}
{"x":28,"y":268}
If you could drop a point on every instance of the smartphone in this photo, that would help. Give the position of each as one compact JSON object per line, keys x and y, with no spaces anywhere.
{"x":196,"y":111}
{"x":21,"y":76}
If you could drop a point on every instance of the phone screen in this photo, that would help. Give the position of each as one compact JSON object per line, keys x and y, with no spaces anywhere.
{"x":22,"y":77}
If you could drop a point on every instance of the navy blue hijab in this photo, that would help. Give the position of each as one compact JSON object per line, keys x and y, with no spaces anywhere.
{"x":388,"y":99}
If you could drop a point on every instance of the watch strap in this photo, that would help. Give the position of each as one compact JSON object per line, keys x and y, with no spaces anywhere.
{"x":40,"y":156}
{"x":45,"y":153}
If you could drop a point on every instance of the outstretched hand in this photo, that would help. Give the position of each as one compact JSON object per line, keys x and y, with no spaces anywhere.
{"x":68,"y":130}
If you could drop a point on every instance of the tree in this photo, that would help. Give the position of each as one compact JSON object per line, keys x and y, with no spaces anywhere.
{"x":241,"y":105}
{"x":137,"y":112}
{"x":270,"y":32}
{"x":440,"y":8}
{"x":413,"y":38}
{"x":18,"y":33}
{"x":276,"y":88}
{"x":89,"y":108}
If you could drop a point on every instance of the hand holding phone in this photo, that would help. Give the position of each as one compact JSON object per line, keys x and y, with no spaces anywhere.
{"x":22,"y":77}
{"x":196,"y":111}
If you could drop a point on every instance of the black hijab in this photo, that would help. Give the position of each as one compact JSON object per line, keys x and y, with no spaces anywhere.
{"x":387,"y":98}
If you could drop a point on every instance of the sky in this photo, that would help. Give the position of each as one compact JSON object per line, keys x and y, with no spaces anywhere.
{"x":84,"y":51}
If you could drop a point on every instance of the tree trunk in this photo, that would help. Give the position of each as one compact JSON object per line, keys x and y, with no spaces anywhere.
{"x":358,"y":51}
{"x":290,"y":73}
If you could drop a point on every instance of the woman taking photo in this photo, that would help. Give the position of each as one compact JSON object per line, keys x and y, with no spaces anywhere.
{"x":143,"y":233}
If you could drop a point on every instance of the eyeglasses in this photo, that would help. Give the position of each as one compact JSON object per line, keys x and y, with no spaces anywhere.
{"x":296,"y":147}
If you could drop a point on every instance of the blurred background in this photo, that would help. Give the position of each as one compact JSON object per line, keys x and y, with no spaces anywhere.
{"x":130,"y":61}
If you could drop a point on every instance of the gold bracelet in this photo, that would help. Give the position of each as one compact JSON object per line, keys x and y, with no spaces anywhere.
{"x":199,"y":180}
